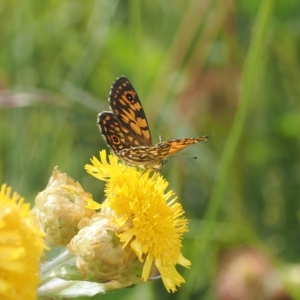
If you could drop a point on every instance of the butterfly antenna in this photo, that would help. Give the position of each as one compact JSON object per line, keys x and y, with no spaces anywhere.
{"x":194,"y":157}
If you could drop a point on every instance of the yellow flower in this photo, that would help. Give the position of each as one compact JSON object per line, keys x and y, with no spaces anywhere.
{"x":21,"y":246}
{"x":154,"y":221}
{"x":59,"y":208}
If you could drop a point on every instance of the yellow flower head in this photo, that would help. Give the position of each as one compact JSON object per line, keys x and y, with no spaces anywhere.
{"x":21,"y":246}
{"x":59,"y":208}
{"x":153,"y":221}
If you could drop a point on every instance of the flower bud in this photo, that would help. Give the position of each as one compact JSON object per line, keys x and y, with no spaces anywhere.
{"x":59,"y":208}
{"x":100,"y":255}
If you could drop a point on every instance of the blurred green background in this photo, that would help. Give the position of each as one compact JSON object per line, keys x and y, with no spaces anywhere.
{"x":230,"y":68}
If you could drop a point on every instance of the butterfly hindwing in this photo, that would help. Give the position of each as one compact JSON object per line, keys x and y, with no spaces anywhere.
{"x":116,"y":136}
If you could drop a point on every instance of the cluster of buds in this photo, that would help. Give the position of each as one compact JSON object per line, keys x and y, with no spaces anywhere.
{"x":93,"y":253}
{"x":113,"y":245}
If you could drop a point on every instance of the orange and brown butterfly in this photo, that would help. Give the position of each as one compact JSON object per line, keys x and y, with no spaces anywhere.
{"x":126,"y":130}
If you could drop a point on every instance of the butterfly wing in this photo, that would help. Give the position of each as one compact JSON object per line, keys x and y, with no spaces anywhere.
{"x":115,"y":134}
{"x":154,"y":157}
{"x":178,"y":145}
{"x":126,"y":130}
{"x":128,"y":110}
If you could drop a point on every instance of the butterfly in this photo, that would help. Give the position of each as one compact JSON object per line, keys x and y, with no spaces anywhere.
{"x":126,"y":131}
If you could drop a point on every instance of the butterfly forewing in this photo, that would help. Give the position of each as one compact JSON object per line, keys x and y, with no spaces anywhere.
{"x":178,"y":145}
{"x":128,"y":109}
